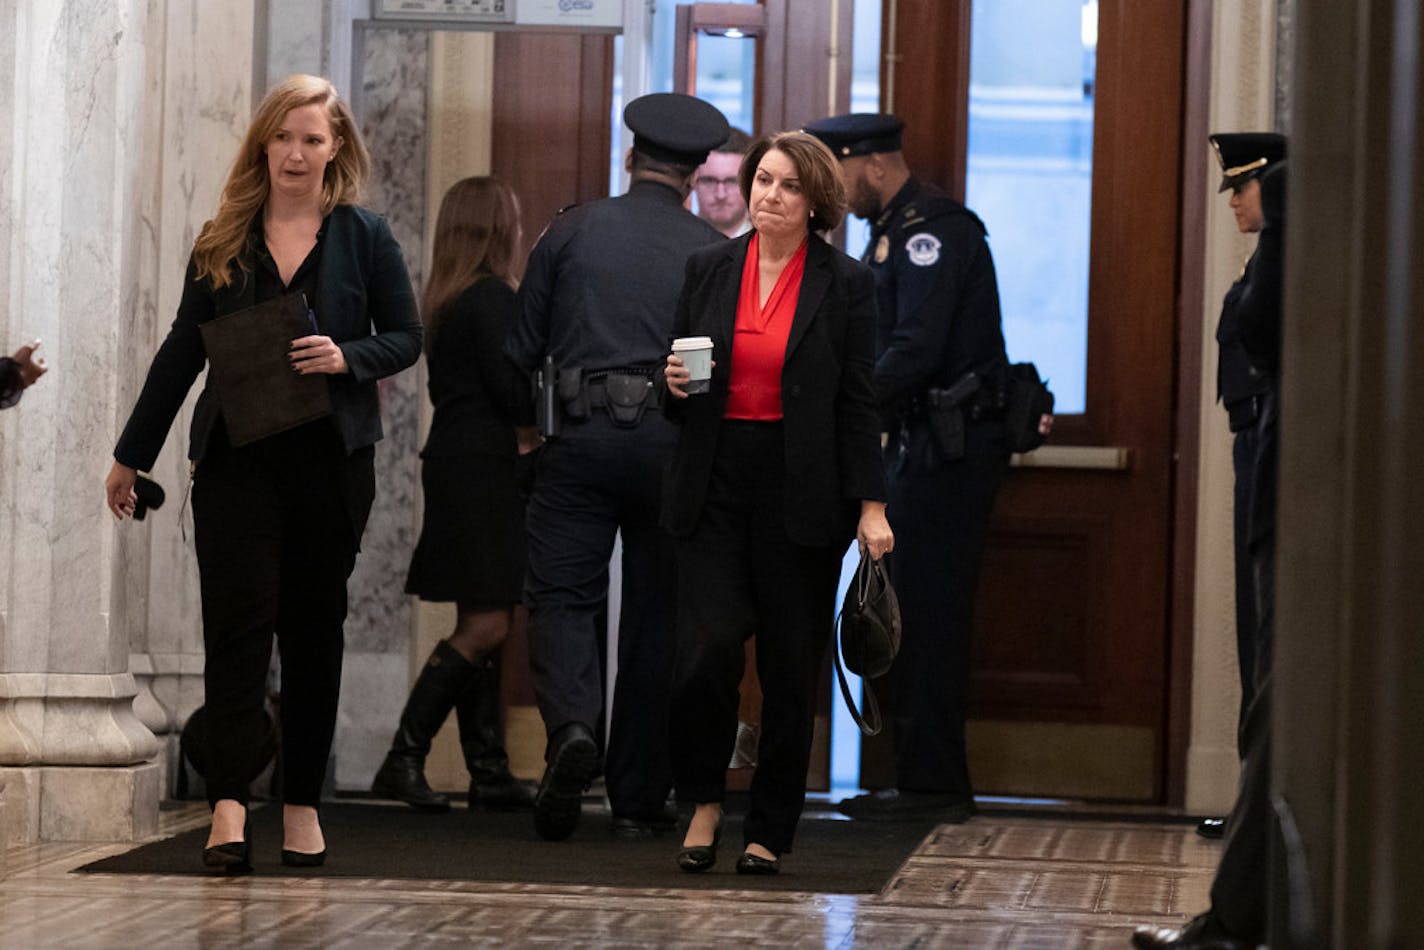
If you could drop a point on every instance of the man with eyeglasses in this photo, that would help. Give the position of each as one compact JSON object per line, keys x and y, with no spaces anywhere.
{"x":719,"y":196}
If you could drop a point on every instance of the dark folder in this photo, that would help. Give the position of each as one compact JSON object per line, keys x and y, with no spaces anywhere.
{"x":251,"y":371}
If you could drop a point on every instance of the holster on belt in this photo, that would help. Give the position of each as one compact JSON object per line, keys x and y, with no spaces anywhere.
{"x":573,"y":393}
{"x":944,"y":408}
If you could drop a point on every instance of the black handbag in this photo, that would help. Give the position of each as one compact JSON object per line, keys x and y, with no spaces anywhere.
{"x":869,"y":636}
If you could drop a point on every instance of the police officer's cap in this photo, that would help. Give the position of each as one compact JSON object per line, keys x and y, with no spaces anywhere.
{"x":859,"y":133}
{"x":672,"y":127}
{"x":1245,"y":155}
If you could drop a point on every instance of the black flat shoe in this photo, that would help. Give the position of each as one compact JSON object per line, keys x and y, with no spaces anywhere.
{"x":700,"y":857}
{"x":232,"y":857}
{"x":302,"y":859}
{"x":1212,"y":828}
{"x":750,"y":863}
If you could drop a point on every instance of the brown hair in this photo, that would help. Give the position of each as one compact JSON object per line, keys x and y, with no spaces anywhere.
{"x":476,"y":235}
{"x":816,"y":167}
{"x":223,"y":239}
{"x":737,"y":141}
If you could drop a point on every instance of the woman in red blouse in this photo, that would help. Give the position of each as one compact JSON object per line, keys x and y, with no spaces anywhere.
{"x":776,"y":469}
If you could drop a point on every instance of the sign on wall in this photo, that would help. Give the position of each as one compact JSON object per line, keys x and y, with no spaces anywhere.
{"x":602,"y":15}
{"x":455,"y":11}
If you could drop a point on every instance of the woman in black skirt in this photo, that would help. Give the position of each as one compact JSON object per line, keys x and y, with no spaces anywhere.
{"x":471,"y":548}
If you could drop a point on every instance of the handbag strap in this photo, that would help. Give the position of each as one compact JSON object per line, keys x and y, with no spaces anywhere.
{"x":870,"y":723}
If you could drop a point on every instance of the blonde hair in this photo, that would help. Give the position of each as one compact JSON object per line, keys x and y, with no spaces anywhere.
{"x":476,"y":235}
{"x":816,"y":166}
{"x":223,"y":239}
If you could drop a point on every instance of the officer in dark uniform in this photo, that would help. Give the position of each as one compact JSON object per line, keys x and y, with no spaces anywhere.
{"x":1239,"y":891}
{"x":1244,"y":157}
{"x":597,"y":306}
{"x":940,"y":347}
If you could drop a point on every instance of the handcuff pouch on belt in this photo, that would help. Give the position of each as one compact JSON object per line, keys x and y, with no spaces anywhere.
{"x":626,"y":396}
{"x":944,"y":408}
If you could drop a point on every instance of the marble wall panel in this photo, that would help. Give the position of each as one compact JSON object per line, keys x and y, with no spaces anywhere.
{"x":12,"y":323}
{"x":391,"y":104}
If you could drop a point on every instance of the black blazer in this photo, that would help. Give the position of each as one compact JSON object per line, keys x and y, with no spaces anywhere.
{"x":478,"y":393}
{"x":829,"y":417}
{"x":364,"y":303}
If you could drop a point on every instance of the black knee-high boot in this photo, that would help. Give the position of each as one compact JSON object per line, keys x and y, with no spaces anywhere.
{"x":436,"y":690}
{"x":482,"y":740}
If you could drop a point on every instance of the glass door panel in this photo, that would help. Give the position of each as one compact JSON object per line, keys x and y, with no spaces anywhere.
{"x":1030,"y":162}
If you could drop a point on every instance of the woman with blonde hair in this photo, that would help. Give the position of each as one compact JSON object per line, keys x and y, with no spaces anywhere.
{"x":471,"y":548}
{"x":278,"y":520}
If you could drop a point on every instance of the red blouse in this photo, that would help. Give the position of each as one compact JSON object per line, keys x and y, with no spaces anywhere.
{"x":760,"y":336}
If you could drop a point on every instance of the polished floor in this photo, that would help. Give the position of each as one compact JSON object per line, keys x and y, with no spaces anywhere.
{"x":995,"y":882}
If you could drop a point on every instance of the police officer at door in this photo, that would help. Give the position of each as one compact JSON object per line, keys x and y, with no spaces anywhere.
{"x":939,"y":347}
{"x":596,"y":316}
{"x":1241,"y":388}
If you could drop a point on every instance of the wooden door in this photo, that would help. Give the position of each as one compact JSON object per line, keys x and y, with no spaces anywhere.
{"x":1069,"y":694}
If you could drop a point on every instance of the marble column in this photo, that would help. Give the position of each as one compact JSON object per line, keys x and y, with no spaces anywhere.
{"x":117,"y":123}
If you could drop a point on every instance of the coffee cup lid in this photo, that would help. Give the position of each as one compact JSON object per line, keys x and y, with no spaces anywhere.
{"x":691,"y":343}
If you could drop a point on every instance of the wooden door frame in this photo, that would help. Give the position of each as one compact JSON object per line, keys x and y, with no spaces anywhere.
{"x":1191,"y":251}
{"x":931,"y":41}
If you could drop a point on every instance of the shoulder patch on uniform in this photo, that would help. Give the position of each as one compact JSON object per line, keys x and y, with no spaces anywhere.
{"x":923,"y":249}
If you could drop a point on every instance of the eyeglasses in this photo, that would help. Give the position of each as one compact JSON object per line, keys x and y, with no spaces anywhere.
{"x":712,"y":184}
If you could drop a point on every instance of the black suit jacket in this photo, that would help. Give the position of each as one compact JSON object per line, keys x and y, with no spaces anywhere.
{"x":829,"y":416}
{"x":364,"y":303}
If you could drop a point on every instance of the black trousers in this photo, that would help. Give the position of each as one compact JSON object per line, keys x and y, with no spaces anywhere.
{"x":1243,"y":460}
{"x":1239,"y":890}
{"x":940,"y":513}
{"x":276,"y":525}
{"x":743,"y":576}
{"x":594,"y":481}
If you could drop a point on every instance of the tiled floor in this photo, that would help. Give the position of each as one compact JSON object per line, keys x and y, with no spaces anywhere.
{"x":998,"y":882}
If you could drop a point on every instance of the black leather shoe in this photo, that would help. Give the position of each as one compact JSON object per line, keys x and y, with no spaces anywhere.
{"x":232,"y":857}
{"x":1211,"y":828}
{"x":572,"y":764}
{"x":700,"y":857}
{"x":504,"y":793}
{"x":1202,"y":932}
{"x":302,"y":859}
{"x":645,"y":826}
{"x":754,"y":864}
{"x":890,"y":804}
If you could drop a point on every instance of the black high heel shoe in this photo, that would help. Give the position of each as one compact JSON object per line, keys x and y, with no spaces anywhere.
{"x":750,"y":863}
{"x":303,"y":859}
{"x":232,"y":857}
{"x":700,"y":857}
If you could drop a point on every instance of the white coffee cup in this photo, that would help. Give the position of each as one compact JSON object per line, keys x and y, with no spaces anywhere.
{"x":696,"y":353}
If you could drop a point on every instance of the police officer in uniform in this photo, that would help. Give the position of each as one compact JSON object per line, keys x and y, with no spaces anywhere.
{"x":597,"y":307}
{"x":1237,"y":918}
{"x":939,"y":346}
{"x":1244,"y":157}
